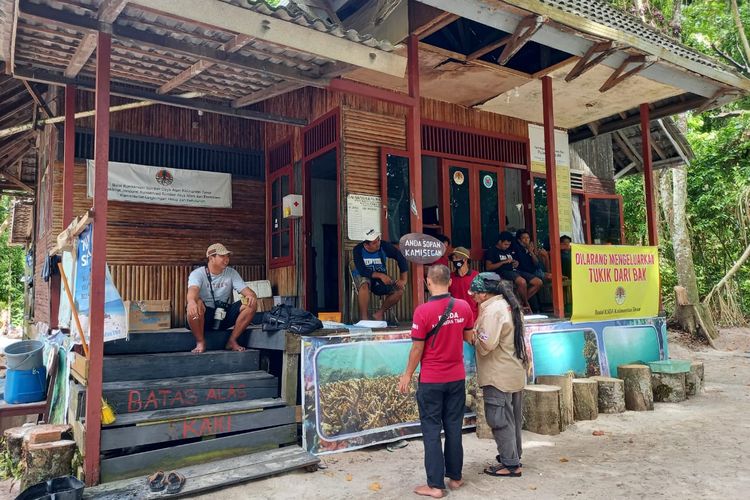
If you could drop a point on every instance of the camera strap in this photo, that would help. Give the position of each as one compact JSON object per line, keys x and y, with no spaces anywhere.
{"x":211,"y":286}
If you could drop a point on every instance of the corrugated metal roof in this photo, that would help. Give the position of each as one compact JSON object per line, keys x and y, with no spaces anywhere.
{"x":22,"y":223}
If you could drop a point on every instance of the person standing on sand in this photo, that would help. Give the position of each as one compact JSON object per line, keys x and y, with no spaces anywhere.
{"x":440,"y":327}
{"x":501,"y":373}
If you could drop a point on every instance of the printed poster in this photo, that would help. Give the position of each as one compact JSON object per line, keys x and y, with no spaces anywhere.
{"x":165,"y":186}
{"x":614,"y":282}
{"x":362,"y":214}
{"x":115,"y":315}
{"x":562,"y":162}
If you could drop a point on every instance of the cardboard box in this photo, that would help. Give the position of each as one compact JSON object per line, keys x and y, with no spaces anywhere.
{"x":148,"y":315}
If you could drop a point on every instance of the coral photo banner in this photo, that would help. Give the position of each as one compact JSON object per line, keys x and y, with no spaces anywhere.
{"x":614,"y":282}
{"x":350,"y":398}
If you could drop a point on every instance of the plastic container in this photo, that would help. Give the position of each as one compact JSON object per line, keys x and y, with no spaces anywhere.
{"x":670,"y":366}
{"x":25,"y":386}
{"x":59,"y":488}
{"x":24,"y":355}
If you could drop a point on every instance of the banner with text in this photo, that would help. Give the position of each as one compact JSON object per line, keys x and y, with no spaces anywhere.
{"x":165,"y":186}
{"x":614,"y":282}
{"x":562,"y":164}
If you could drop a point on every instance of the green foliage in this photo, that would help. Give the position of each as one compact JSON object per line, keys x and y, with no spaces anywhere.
{"x":7,"y":469}
{"x":11,"y":269}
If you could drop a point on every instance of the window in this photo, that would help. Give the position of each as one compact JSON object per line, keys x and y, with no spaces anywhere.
{"x":460,"y":207}
{"x":489,"y":206}
{"x":605,"y":219}
{"x":396,"y":193}
{"x":279,"y":184}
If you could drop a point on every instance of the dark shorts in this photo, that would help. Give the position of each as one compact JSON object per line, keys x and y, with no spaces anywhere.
{"x":512,"y":275}
{"x":376,"y":286}
{"x":229,"y":320}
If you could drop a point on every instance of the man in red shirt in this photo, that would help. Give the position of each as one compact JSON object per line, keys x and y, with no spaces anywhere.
{"x":441,"y":395}
{"x":462,"y":277}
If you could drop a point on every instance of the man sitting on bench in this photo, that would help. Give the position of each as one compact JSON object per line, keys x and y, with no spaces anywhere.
{"x":371,"y":274}
{"x":209,"y":300}
{"x":503,"y":260}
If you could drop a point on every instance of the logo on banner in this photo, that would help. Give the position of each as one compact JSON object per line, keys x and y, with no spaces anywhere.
{"x":620,"y":295}
{"x":164,"y":177}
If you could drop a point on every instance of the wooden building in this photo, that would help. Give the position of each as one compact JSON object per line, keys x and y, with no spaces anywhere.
{"x":316,"y":99}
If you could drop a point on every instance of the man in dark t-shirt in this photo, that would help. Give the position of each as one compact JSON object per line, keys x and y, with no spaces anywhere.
{"x":441,"y":396}
{"x":371,"y":274}
{"x":504,"y":259}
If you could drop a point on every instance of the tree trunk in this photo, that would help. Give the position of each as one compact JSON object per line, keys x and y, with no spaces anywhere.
{"x":585,"y":399}
{"x":541,"y":409}
{"x":611,"y":394}
{"x":565,"y":383}
{"x":638,"y":393}
{"x":46,"y":461}
{"x":740,"y":29}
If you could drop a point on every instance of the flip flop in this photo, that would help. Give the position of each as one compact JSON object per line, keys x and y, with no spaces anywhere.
{"x":494,"y":471}
{"x":156,"y":481}
{"x":175,"y":482}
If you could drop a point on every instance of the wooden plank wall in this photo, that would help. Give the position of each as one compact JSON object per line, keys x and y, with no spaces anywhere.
{"x":166,"y":282}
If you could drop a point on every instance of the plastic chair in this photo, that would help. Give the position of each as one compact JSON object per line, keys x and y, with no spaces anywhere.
{"x":390,"y":314}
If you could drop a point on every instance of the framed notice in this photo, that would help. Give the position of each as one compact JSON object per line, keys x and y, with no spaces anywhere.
{"x":362,"y":214}
{"x":562,"y":164}
{"x":165,"y":186}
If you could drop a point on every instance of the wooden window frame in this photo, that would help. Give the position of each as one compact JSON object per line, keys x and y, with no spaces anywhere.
{"x":587,"y":198}
{"x":271,"y":177}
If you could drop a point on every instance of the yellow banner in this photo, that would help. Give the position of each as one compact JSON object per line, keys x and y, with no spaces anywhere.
{"x":614,"y":282}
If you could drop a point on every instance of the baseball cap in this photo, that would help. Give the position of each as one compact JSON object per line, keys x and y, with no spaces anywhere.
{"x":461,"y":252}
{"x":372,"y":235}
{"x":485,"y":282}
{"x":217,"y":249}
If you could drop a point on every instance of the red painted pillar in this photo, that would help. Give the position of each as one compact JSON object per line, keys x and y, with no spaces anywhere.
{"x":98,"y":260}
{"x":648,"y":175}
{"x":69,"y":153}
{"x":554,"y":223}
{"x":414,"y":144}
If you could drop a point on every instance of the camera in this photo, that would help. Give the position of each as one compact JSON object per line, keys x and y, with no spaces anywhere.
{"x":220,"y":312}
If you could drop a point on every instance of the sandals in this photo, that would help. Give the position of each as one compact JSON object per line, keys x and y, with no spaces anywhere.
{"x":496,"y":471}
{"x":173,"y":482}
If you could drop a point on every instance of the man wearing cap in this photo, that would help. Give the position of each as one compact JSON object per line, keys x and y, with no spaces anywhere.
{"x":461,"y":277}
{"x":209,"y":299}
{"x":371,"y":274}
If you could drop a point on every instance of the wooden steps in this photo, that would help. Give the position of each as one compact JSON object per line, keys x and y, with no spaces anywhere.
{"x":131,"y":396}
{"x":178,"y":364}
{"x":213,"y":475}
{"x":209,"y":420}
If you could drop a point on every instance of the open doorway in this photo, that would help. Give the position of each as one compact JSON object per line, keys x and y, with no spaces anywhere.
{"x":322,"y":226}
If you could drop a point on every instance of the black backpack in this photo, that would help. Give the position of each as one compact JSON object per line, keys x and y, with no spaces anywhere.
{"x":285,"y":317}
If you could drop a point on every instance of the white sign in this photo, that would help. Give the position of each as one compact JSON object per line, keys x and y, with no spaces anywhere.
{"x":165,"y":186}
{"x":362,"y":214}
{"x":562,"y":163}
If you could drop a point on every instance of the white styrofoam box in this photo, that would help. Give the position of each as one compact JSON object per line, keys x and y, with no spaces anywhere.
{"x":262,"y":289}
{"x":292,"y":206}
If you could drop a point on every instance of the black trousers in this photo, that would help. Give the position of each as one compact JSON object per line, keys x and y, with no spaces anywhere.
{"x":441,"y":408}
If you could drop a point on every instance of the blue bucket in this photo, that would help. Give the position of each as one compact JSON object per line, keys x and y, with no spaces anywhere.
{"x":24,"y":355}
{"x":25,"y":386}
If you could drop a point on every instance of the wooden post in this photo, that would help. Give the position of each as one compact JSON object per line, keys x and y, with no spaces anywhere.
{"x":554,"y":222}
{"x":98,"y":259}
{"x":648,"y":175}
{"x":414,"y":144}
{"x":585,"y":399}
{"x":638,"y":393}
{"x":565,"y":383}
{"x":69,"y":154}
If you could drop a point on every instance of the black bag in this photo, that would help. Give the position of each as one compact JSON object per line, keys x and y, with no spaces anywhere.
{"x":284,"y":317}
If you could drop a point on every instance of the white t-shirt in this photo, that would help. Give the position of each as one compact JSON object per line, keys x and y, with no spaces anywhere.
{"x":222,"y":284}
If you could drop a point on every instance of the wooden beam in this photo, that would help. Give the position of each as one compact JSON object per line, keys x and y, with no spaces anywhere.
{"x":69,"y":154}
{"x":266,"y":93}
{"x":596,"y":54}
{"x":108,"y":12}
{"x":38,"y":99}
{"x":524,"y":31}
{"x":350,"y":86}
{"x":244,"y":21}
{"x":12,"y":179}
{"x":141,"y":38}
{"x":627,"y":168}
{"x":620,"y":74}
{"x":233,"y":45}
{"x":425,"y":20}
{"x":628,"y":149}
{"x":648,"y":175}
{"x":489,"y":48}
{"x":177,"y":101}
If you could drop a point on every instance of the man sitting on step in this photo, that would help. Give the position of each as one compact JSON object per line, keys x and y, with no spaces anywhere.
{"x":209,"y":300}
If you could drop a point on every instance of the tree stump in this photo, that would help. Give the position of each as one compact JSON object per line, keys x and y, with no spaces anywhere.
{"x":694,"y":379}
{"x":638,"y":393}
{"x":46,"y":461}
{"x":541,"y":409}
{"x":669,"y":387}
{"x":14,"y":442}
{"x":585,"y":399}
{"x":565,"y":383}
{"x":484,"y":431}
{"x":611,"y":394}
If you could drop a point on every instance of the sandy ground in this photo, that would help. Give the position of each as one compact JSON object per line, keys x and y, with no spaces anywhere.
{"x":696,"y":449}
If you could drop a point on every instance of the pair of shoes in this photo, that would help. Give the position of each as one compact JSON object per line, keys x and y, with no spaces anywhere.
{"x":497,"y":471}
{"x":172,"y":482}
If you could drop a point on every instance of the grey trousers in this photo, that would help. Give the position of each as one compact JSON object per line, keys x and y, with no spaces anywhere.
{"x":504,"y":413}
